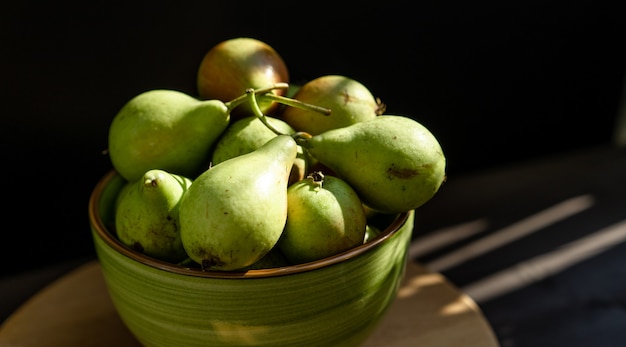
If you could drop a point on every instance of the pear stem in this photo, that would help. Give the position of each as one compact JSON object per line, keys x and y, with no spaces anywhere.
{"x":251,"y":94}
{"x":297,"y":103}
{"x":265,"y":93}
{"x":241,"y":99}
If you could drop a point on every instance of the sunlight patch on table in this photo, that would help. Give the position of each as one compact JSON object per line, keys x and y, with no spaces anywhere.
{"x":513,"y":232}
{"x":458,"y":306}
{"x":414,"y":285}
{"x":540,"y":267}
{"x":440,"y":238}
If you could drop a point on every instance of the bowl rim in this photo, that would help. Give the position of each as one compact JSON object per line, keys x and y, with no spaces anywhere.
{"x":101,"y":230}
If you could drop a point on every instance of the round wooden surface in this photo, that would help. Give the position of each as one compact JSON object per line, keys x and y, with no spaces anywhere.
{"x":76,"y":310}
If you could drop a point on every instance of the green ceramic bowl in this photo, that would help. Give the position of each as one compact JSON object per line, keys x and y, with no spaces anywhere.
{"x":335,"y":301}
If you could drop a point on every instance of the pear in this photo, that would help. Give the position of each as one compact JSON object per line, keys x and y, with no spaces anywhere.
{"x":273,"y":259}
{"x":349,"y":100}
{"x":165,"y":129}
{"x":235,"y":211}
{"x":122,"y":193}
{"x":324,"y":217}
{"x":248,"y":134}
{"x":146,"y":215}
{"x":371,"y":232}
{"x":234,"y":65}
{"x":393,"y":162}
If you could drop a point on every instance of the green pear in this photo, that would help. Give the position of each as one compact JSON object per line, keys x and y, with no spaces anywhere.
{"x":273,"y":259}
{"x":147,"y":215}
{"x":248,"y":134}
{"x":324,"y":217}
{"x":122,"y":193}
{"x":165,"y":129}
{"x":371,"y":232}
{"x":235,"y":211}
{"x":349,"y":101}
{"x":393,"y":162}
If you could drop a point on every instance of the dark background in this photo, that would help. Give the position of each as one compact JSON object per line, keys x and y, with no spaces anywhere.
{"x":522,"y":95}
{"x":496,"y":82}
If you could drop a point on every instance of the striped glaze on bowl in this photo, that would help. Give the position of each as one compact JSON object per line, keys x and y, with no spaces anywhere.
{"x":336,"y":301}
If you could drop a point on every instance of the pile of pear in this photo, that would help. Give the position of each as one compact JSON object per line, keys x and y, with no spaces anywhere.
{"x":254,"y":172}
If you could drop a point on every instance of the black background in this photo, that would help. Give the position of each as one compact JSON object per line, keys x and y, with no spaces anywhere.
{"x":496,"y":82}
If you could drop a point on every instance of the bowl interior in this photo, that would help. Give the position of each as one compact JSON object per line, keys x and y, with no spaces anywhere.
{"x":101,"y":217}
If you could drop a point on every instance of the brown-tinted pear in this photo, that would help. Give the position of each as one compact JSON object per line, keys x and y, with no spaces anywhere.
{"x":348,"y":99}
{"x":232,"y":66}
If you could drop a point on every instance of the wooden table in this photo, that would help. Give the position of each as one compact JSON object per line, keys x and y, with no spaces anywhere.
{"x":76,"y":310}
